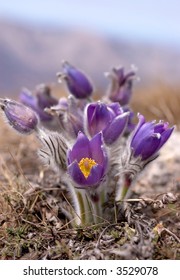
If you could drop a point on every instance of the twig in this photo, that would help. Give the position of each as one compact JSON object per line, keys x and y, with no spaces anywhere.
{"x":99,"y":238}
{"x":172,"y":234}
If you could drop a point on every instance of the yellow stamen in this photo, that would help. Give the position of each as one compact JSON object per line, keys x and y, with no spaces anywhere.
{"x":86,"y":165}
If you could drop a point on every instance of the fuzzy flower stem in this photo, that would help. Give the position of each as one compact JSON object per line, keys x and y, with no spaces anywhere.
{"x":97,"y":201}
{"x":124,"y":189}
{"x":90,"y":206}
{"x":85,"y":207}
{"x":100,"y":206}
{"x":82,"y":207}
{"x":103,"y":197}
{"x":98,"y":215}
{"x":78,"y":205}
{"x":90,"y":210}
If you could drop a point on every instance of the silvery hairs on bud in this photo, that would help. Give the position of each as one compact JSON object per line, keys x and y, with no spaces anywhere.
{"x":129,"y":164}
{"x":54,"y":150}
{"x":133,"y":165}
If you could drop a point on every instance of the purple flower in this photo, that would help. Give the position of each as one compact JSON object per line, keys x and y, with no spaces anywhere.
{"x":41,"y":100}
{"x":120,"y":89}
{"x":109,"y":119}
{"x":149,"y":137}
{"x":70,"y":113}
{"x":20,"y":117}
{"x":87,"y":161}
{"x":76,"y":81}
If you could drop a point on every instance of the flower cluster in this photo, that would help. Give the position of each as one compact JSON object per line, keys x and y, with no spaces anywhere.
{"x":94,"y":145}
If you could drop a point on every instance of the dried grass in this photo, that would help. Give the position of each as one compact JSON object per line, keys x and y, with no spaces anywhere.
{"x":158,"y":102}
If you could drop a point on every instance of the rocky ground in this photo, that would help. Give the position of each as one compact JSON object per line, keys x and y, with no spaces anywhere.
{"x":33,"y":227}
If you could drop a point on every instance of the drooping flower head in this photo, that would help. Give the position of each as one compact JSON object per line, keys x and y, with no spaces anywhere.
{"x":149,"y":137}
{"x":87,"y":161}
{"x":109,"y":119}
{"x":76,"y":81}
{"x":20,"y":117}
{"x":39,"y":101}
{"x":120,"y":89}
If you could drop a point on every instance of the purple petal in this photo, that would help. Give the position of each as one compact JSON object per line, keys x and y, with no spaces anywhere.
{"x":77,"y":82}
{"x":165,"y":136}
{"x":75,"y":124}
{"x":129,"y":75}
{"x":166,"y":125}
{"x":123,"y":78}
{"x":140,"y":123}
{"x":97,"y":151}
{"x":160,"y":127}
{"x":112,"y":132}
{"x":90,"y":109}
{"x":32,"y":101}
{"x":116,"y":108}
{"x":81,"y":149}
{"x":94,"y":178}
{"x":146,"y":130}
{"x":28,"y":99}
{"x":148,"y":147}
{"x":125,"y":93}
{"x":45,"y":100}
{"x":98,"y":117}
{"x":76,"y":174}
{"x":141,"y":130}
{"x":119,"y":72}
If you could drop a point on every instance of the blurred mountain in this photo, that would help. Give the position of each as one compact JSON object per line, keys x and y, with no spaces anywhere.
{"x":32,"y":55}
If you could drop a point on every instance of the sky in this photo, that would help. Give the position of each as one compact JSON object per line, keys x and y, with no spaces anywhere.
{"x":155,"y":20}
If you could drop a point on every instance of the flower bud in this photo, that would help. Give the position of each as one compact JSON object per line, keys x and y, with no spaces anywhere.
{"x":120,"y":89}
{"x":38,"y":102}
{"x":109,"y":119}
{"x":149,"y":137}
{"x":76,"y":81}
{"x":20,"y":117}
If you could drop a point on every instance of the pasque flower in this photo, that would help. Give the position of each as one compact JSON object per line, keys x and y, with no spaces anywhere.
{"x":149,"y":137}
{"x":120,"y":89}
{"x":109,"y":119}
{"x":39,"y":101}
{"x":76,"y":81}
{"x":97,"y":168}
{"x":20,"y":117}
{"x":70,"y":112}
{"x":87,"y":161}
{"x":143,"y":146}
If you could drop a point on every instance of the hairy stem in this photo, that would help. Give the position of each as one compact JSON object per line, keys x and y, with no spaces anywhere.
{"x":124,"y":187}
